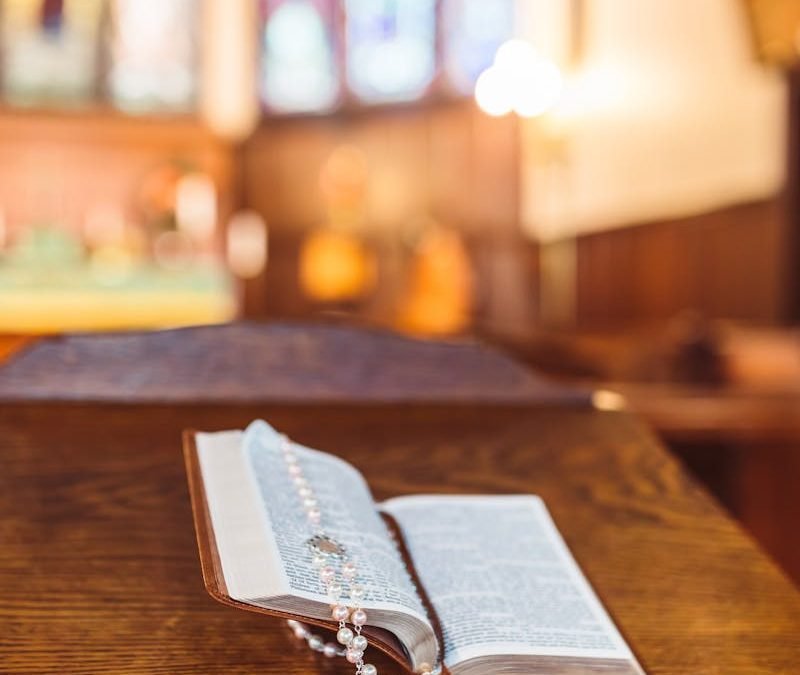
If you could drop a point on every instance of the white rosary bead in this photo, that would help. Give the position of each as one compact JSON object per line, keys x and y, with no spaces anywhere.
{"x":353,"y":643}
{"x":359,"y":617}
{"x":334,"y":591}
{"x":349,"y":570}
{"x":344,"y":636}
{"x":340,"y":613}
{"x":354,"y":655}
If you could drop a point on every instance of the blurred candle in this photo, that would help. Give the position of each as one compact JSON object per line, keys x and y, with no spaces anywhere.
{"x":336,"y":266}
{"x":228,"y":97}
{"x":196,"y":206}
{"x":247,"y":244}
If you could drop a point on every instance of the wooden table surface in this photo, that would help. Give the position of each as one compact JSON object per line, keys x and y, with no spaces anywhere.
{"x":99,"y":570}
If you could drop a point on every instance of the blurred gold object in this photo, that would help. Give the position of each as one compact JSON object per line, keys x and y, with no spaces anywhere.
{"x":776,"y":30}
{"x":439,"y":299}
{"x":336,"y":266}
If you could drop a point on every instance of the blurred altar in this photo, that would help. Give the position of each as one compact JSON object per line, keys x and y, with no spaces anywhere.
{"x":169,"y":162}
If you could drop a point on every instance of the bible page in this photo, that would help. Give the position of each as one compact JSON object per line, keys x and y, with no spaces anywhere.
{"x":502,"y":581}
{"x":350,"y":517}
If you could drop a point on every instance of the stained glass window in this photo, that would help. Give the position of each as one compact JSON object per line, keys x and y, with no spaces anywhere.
{"x":153,"y":54}
{"x":472,"y":32}
{"x":49,"y":50}
{"x":391,"y":48}
{"x":299,"y":69}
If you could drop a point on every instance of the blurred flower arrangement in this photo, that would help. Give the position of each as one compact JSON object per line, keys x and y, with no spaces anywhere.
{"x":173,"y":228}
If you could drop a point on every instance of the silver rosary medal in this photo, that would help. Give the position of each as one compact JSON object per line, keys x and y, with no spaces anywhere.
{"x":322,"y":544}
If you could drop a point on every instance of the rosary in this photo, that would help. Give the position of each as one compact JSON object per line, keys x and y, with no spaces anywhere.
{"x":339,"y":574}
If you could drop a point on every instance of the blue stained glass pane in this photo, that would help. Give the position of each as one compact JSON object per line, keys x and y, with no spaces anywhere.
{"x":473,"y":30}
{"x":391,"y":54}
{"x":298,"y":58}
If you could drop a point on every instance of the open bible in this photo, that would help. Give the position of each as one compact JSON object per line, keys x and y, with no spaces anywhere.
{"x":479,"y":584}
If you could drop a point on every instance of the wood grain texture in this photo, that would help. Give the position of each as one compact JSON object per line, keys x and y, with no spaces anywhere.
{"x":99,"y":570}
{"x":273,"y":362}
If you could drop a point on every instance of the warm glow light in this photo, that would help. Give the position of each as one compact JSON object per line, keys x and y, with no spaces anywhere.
{"x":520,"y":80}
{"x":247,"y":247}
{"x":335,"y":266}
{"x":540,"y":91}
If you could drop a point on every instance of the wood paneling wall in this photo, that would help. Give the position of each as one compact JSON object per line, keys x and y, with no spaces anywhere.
{"x":460,"y":167}
{"x":446,"y":161}
{"x":726,"y":264}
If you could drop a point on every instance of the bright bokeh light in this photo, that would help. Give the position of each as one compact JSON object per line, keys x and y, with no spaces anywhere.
{"x":247,"y":248}
{"x":473,"y":30}
{"x":521,"y":80}
{"x":494,"y":94}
